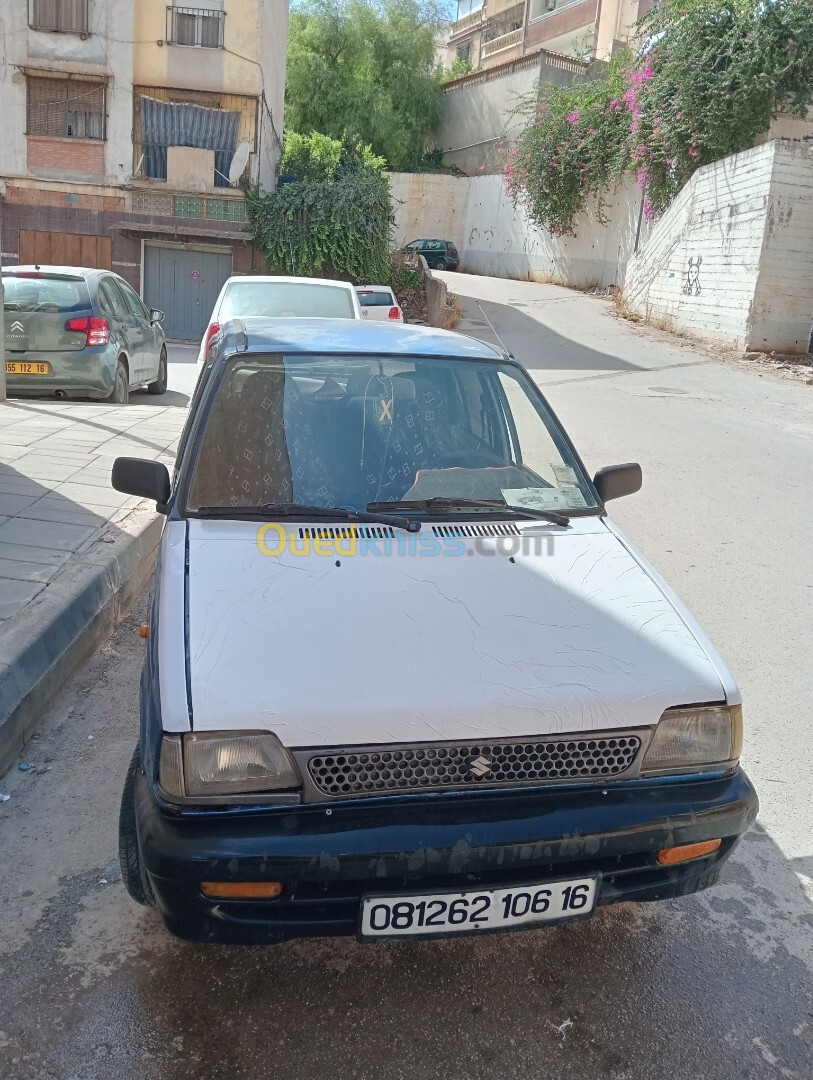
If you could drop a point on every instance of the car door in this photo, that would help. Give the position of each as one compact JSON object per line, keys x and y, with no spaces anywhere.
{"x":148,"y":353}
{"x":122,"y":323}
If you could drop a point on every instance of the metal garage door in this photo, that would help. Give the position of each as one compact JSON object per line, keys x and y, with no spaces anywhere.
{"x":184,"y":284}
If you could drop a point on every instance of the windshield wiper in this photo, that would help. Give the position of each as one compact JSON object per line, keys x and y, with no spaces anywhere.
{"x":337,"y":513}
{"x":440,"y":504}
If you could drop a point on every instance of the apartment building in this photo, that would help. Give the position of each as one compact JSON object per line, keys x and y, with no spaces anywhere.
{"x":494,"y":32}
{"x":126,"y":127}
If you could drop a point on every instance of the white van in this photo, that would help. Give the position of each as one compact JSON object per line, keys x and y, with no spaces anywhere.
{"x":404,"y":676}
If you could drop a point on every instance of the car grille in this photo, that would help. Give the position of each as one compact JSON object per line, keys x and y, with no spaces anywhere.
{"x":370,"y":771}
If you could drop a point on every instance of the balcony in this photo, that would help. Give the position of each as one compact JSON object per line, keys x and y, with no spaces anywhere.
{"x":468,"y":22}
{"x":504,"y":41}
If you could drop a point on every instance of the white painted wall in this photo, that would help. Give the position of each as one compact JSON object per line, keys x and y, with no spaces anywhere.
{"x":106,"y":51}
{"x":749,"y":219}
{"x":493,"y":237}
{"x":477,"y":114}
{"x":273,"y":56}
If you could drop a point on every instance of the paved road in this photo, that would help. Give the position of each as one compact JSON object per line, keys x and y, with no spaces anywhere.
{"x":717,"y":985}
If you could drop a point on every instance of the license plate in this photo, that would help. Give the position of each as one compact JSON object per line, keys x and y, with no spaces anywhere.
{"x":475,"y":910}
{"x":25,"y":367}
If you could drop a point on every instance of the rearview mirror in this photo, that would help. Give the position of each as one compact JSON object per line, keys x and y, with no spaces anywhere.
{"x":618,"y":480}
{"x":156,"y":315}
{"x":147,"y":479}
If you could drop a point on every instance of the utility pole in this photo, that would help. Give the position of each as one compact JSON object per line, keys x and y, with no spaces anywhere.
{"x":2,"y":311}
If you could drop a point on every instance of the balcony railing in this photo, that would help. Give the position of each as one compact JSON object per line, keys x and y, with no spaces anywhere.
{"x":504,"y":41}
{"x":468,"y":22}
{"x":206,"y":207}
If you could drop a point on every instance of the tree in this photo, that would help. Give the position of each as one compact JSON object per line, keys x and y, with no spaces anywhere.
{"x":366,"y":69}
{"x":705,"y":80}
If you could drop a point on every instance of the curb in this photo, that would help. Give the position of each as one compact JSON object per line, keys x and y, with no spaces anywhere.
{"x":43,"y":646}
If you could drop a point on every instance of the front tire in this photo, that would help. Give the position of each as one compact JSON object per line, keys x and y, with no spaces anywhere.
{"x":160,"y":384}
{"x":135,"y":879}
{"x":121,"y":386}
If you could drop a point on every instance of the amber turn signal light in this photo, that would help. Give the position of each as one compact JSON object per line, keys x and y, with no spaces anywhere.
{"x":671,"y":855}
{"x":144,"y":630}
{"x":241,"y":890}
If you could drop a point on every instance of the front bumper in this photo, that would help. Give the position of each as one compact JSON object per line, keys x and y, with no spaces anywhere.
{"x":329,"y":855}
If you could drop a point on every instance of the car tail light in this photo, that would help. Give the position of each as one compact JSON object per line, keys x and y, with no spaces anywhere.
{"x":214,"y":328}
{"x":395,"y":313}
{"x":95,"y":328}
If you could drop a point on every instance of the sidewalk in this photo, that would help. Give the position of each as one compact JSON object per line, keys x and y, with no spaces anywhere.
{"x":69,"y":543}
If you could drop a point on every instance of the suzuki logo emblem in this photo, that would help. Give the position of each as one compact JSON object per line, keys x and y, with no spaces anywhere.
{"x":18,"y":327}
{"x":480,"y":767}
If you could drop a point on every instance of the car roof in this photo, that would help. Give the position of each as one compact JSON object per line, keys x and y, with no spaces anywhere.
{"x":68,"y":271}
{"x":267,"y":278}
{"x":373,"y":288}
{"x":257,"y":335}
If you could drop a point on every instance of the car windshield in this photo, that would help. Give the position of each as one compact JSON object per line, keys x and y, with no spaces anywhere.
{"x":351,"y":431}
{"x":367,"y":298}
{"x":286,"y":299}
{"x":58,"y":294}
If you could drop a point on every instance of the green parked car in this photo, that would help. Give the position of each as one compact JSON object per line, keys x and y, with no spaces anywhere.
{"x":439,"y":254}
{"x":72,"y":332}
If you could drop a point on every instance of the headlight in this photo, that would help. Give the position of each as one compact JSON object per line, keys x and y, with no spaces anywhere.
{"x":232,"y":764}
{"x":692,"y":736}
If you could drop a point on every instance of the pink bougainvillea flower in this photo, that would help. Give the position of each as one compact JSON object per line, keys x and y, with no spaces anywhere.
{"x":592,"y":131}
{"x":573,"y":118}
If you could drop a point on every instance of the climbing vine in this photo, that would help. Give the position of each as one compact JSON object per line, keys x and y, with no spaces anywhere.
{"x":704,"y":81}
{"x":340,"y":227}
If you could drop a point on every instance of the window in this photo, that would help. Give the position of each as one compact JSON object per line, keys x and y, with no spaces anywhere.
{"x":133,"y":301}
{"x":199,"y":27}
{"x":56,"y":294}
{"x":381,"y":298}
{"x":464,"y":51}
{"x":539,"y":8}
{"x":67,"y":16}
{"x":468,"y":7}
{"x":347,"y":431}
{"x":286,"y":299}
{"x":112,"y":301}
{"x":66,"y":108}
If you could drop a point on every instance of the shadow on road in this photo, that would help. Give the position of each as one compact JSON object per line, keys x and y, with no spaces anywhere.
{"x":535,"y":345}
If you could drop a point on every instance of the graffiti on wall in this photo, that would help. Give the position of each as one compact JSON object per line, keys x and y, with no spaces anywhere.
{"x":691,"y":287}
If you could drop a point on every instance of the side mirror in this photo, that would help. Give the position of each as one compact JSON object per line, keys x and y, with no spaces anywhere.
{"x":147,"y":479}
{"x":618,"y":480}
{"x":156,"y":315}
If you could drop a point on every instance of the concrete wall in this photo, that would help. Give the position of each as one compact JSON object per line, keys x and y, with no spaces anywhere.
{"x":429,"y":205}
{"x":494,"y":237}
{"x":731,"y":260}
{"x":476,"y":109}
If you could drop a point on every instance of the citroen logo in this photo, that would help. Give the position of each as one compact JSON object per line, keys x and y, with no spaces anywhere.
{"x":480,"y":767}
{"x":18,"y":327}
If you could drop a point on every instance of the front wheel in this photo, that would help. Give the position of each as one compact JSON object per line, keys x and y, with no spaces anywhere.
{"x":160,"y":384}
{"x":121,"y":386}
{"x":135,"y":879}
{"x":439,"y":264}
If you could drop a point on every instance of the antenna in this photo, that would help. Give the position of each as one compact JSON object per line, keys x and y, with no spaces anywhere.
{"x":493,"y":330}
{"x":239,"y":162}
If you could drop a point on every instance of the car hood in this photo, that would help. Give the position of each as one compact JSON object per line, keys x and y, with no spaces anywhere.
{"x":537,"y":633}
